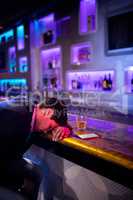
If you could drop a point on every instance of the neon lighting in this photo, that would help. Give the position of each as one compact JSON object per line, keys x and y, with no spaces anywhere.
{"x":20,"y":37}
{"x":23,"y":64}
{"x":12,"y":59}
{"x":7,"y":35}
{"x":6,"y":83}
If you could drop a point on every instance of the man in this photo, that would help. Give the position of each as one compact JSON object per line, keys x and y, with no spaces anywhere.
{"x":18,"y":129}
{"x":15,"y":126}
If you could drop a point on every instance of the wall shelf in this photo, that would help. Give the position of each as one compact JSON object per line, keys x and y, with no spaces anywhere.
{"x":101,"y":81}
{"x":81,"y":53}
{"x":12,"y":59}
{"x":129,"y":80}
{"x":23,"y":64}
{"x":51,"y":67}
{"x":87,"y":16}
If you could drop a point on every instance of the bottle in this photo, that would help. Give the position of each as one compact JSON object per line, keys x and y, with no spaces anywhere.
{"x":105,"y":83}
{"x":99,"y":83}
{"x":50,"y":65}
{"x":132,"y":84}
{"x":95,"y":84}
{"x":79,"y":83}
{"x":74,"y":82}
{"x":109,"y":82}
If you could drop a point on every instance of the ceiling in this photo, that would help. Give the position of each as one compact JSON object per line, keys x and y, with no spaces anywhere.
{"x":13,"y":9}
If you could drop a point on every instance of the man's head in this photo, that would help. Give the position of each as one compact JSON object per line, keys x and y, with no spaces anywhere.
{"x":51,"y":116}
{"x":57,"y":110}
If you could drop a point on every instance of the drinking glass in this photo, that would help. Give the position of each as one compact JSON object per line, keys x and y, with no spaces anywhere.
{"x":81,"y":122}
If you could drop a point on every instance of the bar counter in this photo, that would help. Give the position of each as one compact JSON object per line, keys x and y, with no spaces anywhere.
{"x":110,"y":155}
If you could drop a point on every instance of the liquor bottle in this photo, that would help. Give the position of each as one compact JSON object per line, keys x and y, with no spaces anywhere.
{"x":91,"y":22}
{"x":132,"y":84}
{"x":99,"y":83}
{"x":48,"y":37}
{"x":50,"y":65}
{"x":74,"y":84}
{"x":45,"y":82}
{"x":95,"y":84}
{"x":53,"y":82}
{"x":109,"y":82}
{"x":105,"y":83}
{"x":79,"y":83}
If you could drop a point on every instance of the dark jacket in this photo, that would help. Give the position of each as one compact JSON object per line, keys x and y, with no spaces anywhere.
{"x":14,"y":131}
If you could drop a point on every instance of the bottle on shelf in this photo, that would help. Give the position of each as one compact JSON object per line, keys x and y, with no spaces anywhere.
{"x":95,"y":84}
{"x":53,"y":81}
{"x":48,"y":37}
{"x":79,"y":83}
{"x":109,"y":82}
{"x":99,"y":83}
{"x":55,"y":61}
{"x":74,"y":82}
{"x":91,"y":22}
{"x":50,"y":65}
{"x":45,"y":82}
{"x":105,"y":83}
{"x":132,"y":83}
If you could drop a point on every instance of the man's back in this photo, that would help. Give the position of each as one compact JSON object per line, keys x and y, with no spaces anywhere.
{"x":14,"y":130}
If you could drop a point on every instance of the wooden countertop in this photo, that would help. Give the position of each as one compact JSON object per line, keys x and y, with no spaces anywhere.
{"x":115,"y":143}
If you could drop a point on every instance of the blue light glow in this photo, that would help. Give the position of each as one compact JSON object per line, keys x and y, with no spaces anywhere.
{"x":7,"y":35}
{"x":12,"y":82}
{"x":20,"y":37}
{"x":12,"y":59}
{"x":23,"y":64}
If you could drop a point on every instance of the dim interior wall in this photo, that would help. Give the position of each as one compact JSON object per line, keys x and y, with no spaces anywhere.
{"x":35,"y":68}
{"x":100,"y":60}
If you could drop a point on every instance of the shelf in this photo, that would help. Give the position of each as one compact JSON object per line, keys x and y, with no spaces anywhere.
{"x":6,"y":36}
{"x":12,"y":59}
{"x":87,"y":16}
{"x":23,"y":64}
{"x":47,"y":30}
{"x":101,"y":81}
{"x":51,"y":67}
{"x":81,"y":53}
{"x":129,"y":80}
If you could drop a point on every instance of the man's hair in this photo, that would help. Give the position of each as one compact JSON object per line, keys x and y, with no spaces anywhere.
{"x":60,"y":110}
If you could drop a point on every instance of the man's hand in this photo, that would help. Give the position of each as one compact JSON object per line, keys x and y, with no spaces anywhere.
{"x":60,"y":133}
